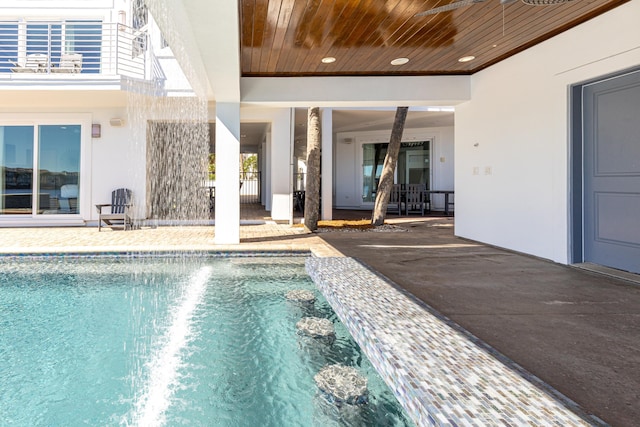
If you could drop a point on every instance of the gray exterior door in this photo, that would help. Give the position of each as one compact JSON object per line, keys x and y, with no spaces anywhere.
{"x":611,"y":170}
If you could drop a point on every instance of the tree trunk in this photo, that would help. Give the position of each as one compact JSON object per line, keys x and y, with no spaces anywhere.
{"x":312,"y":190}
{"x":389,"y":167}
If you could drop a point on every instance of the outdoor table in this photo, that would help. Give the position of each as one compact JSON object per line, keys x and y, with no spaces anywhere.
{"x":447,"y":193}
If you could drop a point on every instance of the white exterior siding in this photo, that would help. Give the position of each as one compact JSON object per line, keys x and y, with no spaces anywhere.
{"x":518,"y":117}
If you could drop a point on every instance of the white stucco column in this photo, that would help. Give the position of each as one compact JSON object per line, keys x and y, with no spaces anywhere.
{"x":281,"y":165}
{"x":326,"y":121}
{"x":227,"y":173}
{"x":266,"y":178}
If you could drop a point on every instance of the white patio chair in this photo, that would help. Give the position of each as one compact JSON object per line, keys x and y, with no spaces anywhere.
{"x":34,"y":63}
{"x":69,"y":63}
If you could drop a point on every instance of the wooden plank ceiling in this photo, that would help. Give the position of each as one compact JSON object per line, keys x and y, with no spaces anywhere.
{"x":290,"y":37}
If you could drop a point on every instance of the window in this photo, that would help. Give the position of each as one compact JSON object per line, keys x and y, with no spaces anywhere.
{"x":50,"y":41}
{"x":84,"y":38}
{"x":139,"y":23}
{"x":140,"y":14}
{"x":44,"y":38}
{"x":8,"y":45}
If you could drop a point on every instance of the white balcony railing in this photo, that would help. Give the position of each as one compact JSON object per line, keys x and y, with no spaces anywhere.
{"x":79,"y":48}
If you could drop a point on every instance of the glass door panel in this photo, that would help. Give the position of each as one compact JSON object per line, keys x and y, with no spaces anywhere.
{"x":414,"y":163}
{"x":372,"y":161}
{"x":417,"y":171}
{"x":58,"y":169}
{"x":16,"y":163}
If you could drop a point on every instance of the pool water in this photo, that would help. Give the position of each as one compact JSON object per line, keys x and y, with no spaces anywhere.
{"x":198,"y":341}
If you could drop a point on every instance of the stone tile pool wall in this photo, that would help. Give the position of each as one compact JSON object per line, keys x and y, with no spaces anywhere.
{"x":437,"y":373}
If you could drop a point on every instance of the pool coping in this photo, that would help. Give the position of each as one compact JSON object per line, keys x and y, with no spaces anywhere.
{"x":440,"y":374}
{"x":165,"y":253}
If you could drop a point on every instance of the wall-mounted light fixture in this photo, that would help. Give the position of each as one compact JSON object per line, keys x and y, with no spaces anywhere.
{"x":116,"y":122}
{"x":96,"y":130}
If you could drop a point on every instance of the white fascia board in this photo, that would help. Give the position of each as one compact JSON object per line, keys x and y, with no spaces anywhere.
{"x":355,"y":91}
{"x":36,"y":100}
{"x":57,"y":4}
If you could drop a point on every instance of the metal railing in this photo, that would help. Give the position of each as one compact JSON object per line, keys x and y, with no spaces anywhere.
{"x":81,"y":48}
{"x":250,"y":190}
{"x":251,"y":187}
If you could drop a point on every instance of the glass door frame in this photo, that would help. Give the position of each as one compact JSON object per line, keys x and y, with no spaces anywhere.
{"x":408,"y":138}
{"x":84,"y":177}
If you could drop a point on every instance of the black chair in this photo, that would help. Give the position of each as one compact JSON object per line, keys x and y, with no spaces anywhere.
{"x":298,"y":200}
{"x":414,"y":200}
{"x":395,"y":199}
{"x":119,"y":217}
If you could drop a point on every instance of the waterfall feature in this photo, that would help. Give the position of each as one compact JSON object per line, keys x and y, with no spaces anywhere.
{"x":163,"y":367}
{"x":168,"y":117}
{"x":172,"y":135}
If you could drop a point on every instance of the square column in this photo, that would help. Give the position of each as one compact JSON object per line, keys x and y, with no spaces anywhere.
{"x":282,"y":165}
{"x":326,"y":204}
{"x":227,"y":173}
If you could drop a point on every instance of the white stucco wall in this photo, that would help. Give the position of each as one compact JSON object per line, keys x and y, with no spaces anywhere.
{"x":512,"y":138}
{"x":348,"y":162}
{"x":118,"y":161}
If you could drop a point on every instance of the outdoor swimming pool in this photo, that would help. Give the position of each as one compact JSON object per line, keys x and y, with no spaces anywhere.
{"x":207,"y":341}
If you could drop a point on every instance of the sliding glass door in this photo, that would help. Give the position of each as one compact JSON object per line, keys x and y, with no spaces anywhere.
{"x":39,"y":169}
{"x":413,"y":166}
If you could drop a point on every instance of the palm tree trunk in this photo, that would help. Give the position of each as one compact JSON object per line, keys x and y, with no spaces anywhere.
{"x":312,"y":190}
{"x":389,"y":167}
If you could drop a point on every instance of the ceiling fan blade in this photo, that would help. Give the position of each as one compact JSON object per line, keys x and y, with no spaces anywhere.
{"x":447,"y":7}
{"x":544,"y":2}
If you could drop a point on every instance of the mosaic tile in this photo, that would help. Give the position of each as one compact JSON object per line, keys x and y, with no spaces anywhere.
{"x":438,"y":374}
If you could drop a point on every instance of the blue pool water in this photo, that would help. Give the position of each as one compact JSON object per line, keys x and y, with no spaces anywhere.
{"x":199,"y":341}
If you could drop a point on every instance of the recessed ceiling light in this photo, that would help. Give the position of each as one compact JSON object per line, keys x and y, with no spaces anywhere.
{"x":328,"y":60}
{"x":467,"y":58}
{"x":399,"y":61}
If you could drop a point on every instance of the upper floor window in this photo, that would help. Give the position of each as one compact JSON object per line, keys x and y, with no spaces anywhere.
{"x":65,"y":46}
{"x":8,"y":45}
{"x":140,"y":15}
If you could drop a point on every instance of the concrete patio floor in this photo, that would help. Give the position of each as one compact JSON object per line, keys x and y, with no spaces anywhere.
{"x":577,"y":331}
